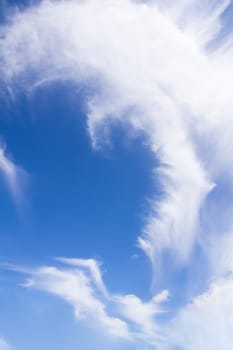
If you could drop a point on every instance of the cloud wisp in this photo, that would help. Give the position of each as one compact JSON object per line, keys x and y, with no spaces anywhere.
{"x":80,"y":286}
{"x":13,"y":175}
{"x":79,"y":282}
{"x":149,"y":62}
{"x":129,"y":318}
{"x":158,"y":67}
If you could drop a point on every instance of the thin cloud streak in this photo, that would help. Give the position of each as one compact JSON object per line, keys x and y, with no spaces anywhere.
{"x":94,"y":270}
{"x":13,"y":175}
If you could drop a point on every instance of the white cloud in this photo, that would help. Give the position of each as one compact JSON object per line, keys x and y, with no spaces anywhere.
{"x":144,"y":63}
{"x":152,"y":71}
{"x":122,"y":316}
{"x":142,"y":314}
{"x":83,"y":291}
{"x":4,"y":345}
{"x":204,"y":323}
{"x":199,"y":18}
{"x":94,"y":269}
{"x":207,"y":322}
{"x":13,"y":175}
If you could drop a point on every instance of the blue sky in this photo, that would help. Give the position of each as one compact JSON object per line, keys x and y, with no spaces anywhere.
{"x":115,"y":175}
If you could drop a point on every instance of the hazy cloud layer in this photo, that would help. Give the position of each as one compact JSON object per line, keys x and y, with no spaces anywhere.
{"x":4,"y":345}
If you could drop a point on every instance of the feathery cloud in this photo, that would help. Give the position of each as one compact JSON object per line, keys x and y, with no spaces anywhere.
{"x":145,"y":63}
{"x":81,"y":289}
{"x":136,"y":321}
{"x":13,"y":175}
{"x":154,"y":67}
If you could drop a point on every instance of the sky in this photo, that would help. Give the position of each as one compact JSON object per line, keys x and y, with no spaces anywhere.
{"x":116,"y":185}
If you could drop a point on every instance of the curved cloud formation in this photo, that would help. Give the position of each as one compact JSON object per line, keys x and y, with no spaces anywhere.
{"x":151,"y":74}
{"x":162,"y":69}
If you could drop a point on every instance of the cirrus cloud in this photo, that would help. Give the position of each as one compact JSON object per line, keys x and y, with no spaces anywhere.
{"x":152,"y":66}
{"x":151,"y":74}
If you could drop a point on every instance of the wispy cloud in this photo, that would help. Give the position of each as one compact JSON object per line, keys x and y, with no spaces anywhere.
{"x":161,"y":69}
{"x":134,"y":320}
{"x":207,"y":322}
{"x":81,"y":287}
{"x":122,"y":316}
{"x":157,"y":71}
{"x":92,"y":266}
{"x":142,"y":315}
{"x":13,"y":175}
{"x":4,"y":345}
